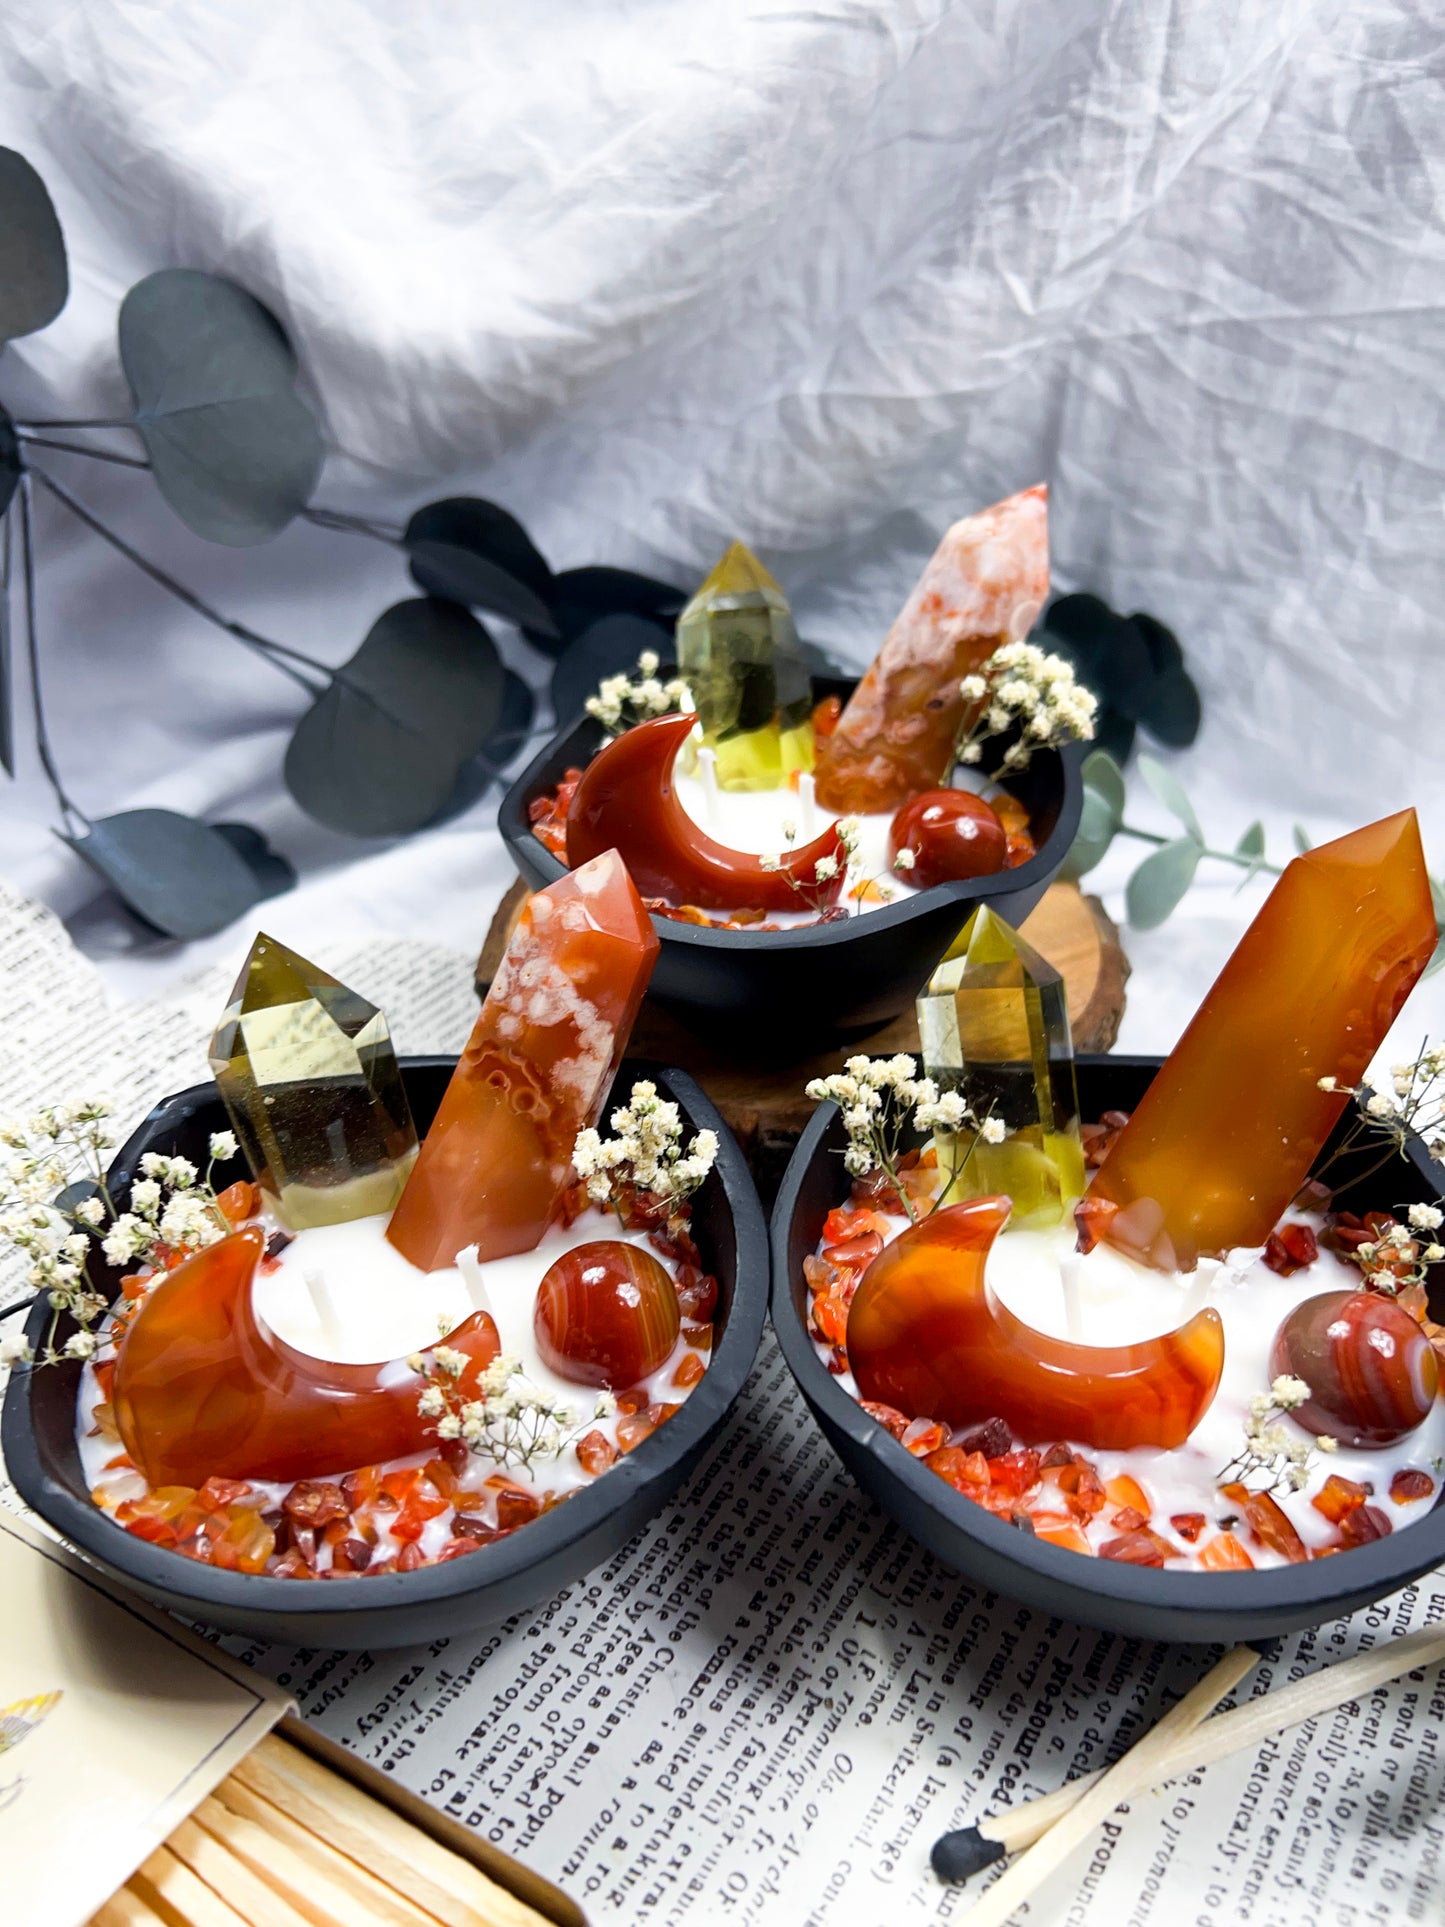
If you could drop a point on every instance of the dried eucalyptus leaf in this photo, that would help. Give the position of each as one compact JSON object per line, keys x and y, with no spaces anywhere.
{"x":7,"y":680}
{"x":1167,"y":787}
{"x":507,"y":740}
{"x":581,"y":597}
{"x":34,"y":279}
{"x":9,"y":461}
{"x":1092,"y":839}
{"x":233,"y":448}
{"x":474,"y":552}
{"x":183,"y":878}
{"x":1104,"y":776}
{"x":1165,"y":654}
{"x":274,"y":873}
{"x":1303,"y":841}
{"x":610,"y":647}
{"x":1251,"y":844}
{"x":1114,"y":733}
{"x":1160,"y":881}
{"x":378,"y":752}
{"x":1169,"y":709}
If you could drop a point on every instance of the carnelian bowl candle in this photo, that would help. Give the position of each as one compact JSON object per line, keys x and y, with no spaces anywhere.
{"x":500,"y":1578}
{"x":804,"y":988}
{"x":1146,"y":1601}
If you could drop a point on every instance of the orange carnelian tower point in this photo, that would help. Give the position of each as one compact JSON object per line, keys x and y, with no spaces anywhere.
{"x":1229,"y":1129}
{"x":984,"y":585}
{"x":536,"y":1071}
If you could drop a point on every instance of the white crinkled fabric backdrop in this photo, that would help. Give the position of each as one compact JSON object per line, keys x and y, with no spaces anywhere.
{"x":654,"y":275}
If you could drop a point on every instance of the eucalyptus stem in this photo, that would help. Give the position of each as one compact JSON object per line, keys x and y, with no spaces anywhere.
{"x":68,"y":810}
{"x":1255,"y":863}
{"x":123,"y":422}
{"x":79,"y":448}
{"x":273,"y":652}
{"x":342,"y":523}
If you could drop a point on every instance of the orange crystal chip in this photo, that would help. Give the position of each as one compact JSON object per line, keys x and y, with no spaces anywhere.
{"x":1227,"y":1132}
{"x":1339,"y":1497}
{"x":204,"y":1389}
{"x":1270,"y":1524}
{"x":626,"y":802}
{"x":536,"y":1070}
{"x":1061,"y":1535}
{"x":1224,"y":1553}
{"x":925,"y":1334}
{"x":986,"y":582}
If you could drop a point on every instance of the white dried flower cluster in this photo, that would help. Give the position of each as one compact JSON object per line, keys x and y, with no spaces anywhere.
{"x":64,"y":1147}
{"x":1413,"y":1105}
{"x":880,"y":1097}
{"x":646,"y":1154}
{"x":1271,"y":1451}
{"x":620,"y":701}
{"x":169,"y":1208}
{"x":1021,"y":685}
{"x":510,"y":1421}
{"x":812,"y":892}
{"x":52,"y":1150}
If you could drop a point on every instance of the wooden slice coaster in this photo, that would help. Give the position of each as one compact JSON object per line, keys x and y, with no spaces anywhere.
{"x":766,"y":1110}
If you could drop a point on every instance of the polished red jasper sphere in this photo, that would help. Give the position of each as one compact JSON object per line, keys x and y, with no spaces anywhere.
{"x":1371,"y":1371}
{"x":606,"y":1314}
{"x":952,"y":834}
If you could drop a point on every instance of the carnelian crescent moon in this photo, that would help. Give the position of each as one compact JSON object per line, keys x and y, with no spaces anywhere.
{"x":626,"y":802}
{"x":203,"y":1387}
{"x":927,"y":1336}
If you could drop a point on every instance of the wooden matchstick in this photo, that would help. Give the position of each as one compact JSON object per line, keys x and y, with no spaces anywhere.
{"x":389,"y":1845}
{"x":232,"y":1879}
{"x":967,"y":1851}
{"x":175,"y":1893}
{"x":1139,"y":1768}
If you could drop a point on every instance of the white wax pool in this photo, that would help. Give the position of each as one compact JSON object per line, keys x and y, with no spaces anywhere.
{"x":1106,"y":1298}
{"x":756,"y":821}
{"x":343,"y":1292}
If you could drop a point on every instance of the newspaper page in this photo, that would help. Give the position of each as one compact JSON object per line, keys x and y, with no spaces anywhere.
{"x":768,"y":1705}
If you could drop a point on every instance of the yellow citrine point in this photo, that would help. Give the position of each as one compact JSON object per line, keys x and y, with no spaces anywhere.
{"x":311,"y":1081}
{"x":739,"y":654}
{"x":1228,"y":1131}
{"x":993,"y":1021}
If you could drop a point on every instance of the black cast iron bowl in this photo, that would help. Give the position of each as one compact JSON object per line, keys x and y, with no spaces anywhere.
{"x":1144,"y":1602}
{"x":400,"y":1609}
{"x":830,"y":982}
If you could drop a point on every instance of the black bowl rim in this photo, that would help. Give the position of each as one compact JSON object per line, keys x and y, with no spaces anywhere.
{"x":156,"y":1570}
{"x":1372,"y":1571}
{"x":1039,"y":871}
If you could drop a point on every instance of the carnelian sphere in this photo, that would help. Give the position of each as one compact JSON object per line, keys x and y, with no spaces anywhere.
{"x":952,"y":834}
{"x":1371,"y":1370}
{"x":606,"y":1314}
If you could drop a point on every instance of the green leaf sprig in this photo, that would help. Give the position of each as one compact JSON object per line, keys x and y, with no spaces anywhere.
{"x":1157,"y":887}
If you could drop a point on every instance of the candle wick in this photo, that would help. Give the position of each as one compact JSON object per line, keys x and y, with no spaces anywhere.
{"x":707,"y":769}
{"x":1069,"y":1282}
{"x":807,"y":806}
{"x":324,"y":1305}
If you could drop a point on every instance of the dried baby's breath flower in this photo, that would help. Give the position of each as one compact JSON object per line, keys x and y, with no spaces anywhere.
{"x":646,"y":1154}
{"x":880,"y":1099}
{"x":56,"y":1207}
{"x":1271,"y":1452}
{"x":620,"y":702}
{"x":1020,"y":686}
